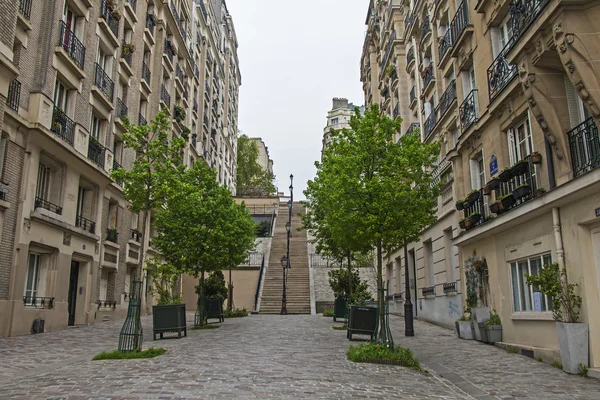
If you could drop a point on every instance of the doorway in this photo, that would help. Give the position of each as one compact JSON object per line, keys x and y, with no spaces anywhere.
{"x":72,"y":298}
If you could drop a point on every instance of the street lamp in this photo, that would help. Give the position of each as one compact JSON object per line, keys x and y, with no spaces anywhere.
{"x":285,"y":260}
{"x":284,"y":264}
{"x":409,"y":329}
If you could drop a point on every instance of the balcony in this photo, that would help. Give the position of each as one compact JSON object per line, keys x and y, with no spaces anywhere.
{"x":165,"y":97}
{"x":194,"y":140}
{"x":25,"y":8}
{"x":135,"y":235}
{"x":425,"y":29}
{"x":85,"y":224}
{"x":107,"y":15}
{"x":410,"y":57}
{"x":177,"y":19}
{"x":500,"y":73}
{"x":132,"y":3}
{"x":396,"y":112}
{"x":428,"y":291}
{"x":63,"y":126}
{"x":127,"y":53}
{"x":112,"y":235}
{"x":408,"y":21}
{"x":460,"y":21}
{"x":469,"y":111}
{"x":448,"y":98}
{"x":46,"y":205}
{"x":150,"y":22}
{"x":122,"y":109}
{"x":96,"y":152}
{"x":388,"y":50}
{"x":146,"y":73}
{"x":450,"y":287}
{"x":141,"y":120}
{"x":169,"y":50}
{"x":14,"y":95}
{"x":522,"y":14}
{"x":584,"y":144}
{"x":412,"y":128}
{"x":473,"y":208}
{"x":115,"y":167}
{"x":444,"y":45}
{"x":430,"y":123}
{"x":104,"y":83}
{"x":3,"y":190}
{"x":428,"y":77}
{"x":72,"y":45}
{"x":413,"y":96}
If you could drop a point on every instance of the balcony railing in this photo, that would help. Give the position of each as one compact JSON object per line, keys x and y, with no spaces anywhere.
{"x":396,"y":112}
{"x":427,"y":76}
{"x":145,"y":73}
{"x":430,"y":123}
{"x":449,"y":287}
{"x":132,"y":3}
{"x":500,"y":73}
{"x":388,"y":49}
{"x":177,"y":18}
{"x":448,"y":98}
{"x":165,"y":96}
{"x":469,"y":111}
{"x":3,"y":190}
{"x":474,"y":210}
{"x":429,"y":291}
{"x":14,"y":95}
{"x":169,"y":49}
{"x":122,"y":109}
{"x":127,"y":55}
{"x":106,"y":305}
{"x":408,"y":21}
{"x":194,"y":140}
{"x":445,"y":43}
{"x":85,"y":224}
{"x":385,"y":93}
{"x":179,"y":73}
{"x":46,"y":205}
{"x":39,"y":302}
{"x":63,"y":126}
{"x":584,"y":144}
{"x":410,"y":55}
{"x":104,"y":83}
{"x":115,"y":167}
{"x":460,"y":21}
{"x":425,"y":28}
{"x":25,"y":8}
{"x":72,"y":45}
{"x":96,"y":152}
{"x":413,"y":94}
{"x":202,"y":9}
{"x":412,"y":128}
{"x":195,"y":106}
{"x":150,"y":22}
{"x":135,"y":235}
{"x":112,"y":235}
{"x":106,"y":14}
{"x":522,"y":15}
{"x":142,"y":120}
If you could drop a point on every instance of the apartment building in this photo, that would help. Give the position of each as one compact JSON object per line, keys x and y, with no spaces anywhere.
{"x":77,"y":69}
{"x":511,"y":90}
{"x":338,"y":118}
{"x":264,"y":159}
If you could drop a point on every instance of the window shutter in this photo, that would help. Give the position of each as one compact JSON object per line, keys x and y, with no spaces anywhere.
{"x":474,"y":175}
{"x":512,"y":157}
{"x":573,"y":102}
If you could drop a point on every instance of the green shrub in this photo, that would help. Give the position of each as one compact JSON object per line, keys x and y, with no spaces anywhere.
{"x":583,"y":370}
{"x":117,"y":355}
{"x":369,"y":352}
{"x":494,"y":319}
{"x":328,"y":313}
{"x":235,"y":313}
{"x":556,"y":364}
{"x":338,"y":280}
{"x":214,"y":287}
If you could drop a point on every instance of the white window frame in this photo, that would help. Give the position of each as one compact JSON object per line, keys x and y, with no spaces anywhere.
{"x":96,"y":127}
{"x":61,"y":96}
{"x":43,"y":182}
{"x":30,"y":290}
{"x":513,"y":267}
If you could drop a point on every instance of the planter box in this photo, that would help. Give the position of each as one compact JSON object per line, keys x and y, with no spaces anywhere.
{"x":340,"y":309}
{"x":460,"y":205}
{"x":169,"y":318}
{"x":465,"y":330}
{"x":362,"y":321}
{"x":493,"y":184}
{"x":473,"y":197}
{"x":496,"y":207}
{"x":462,"y":223}
{"x":521,"y":191}
{"x":494,"y":333}
{"x":505,"y":176}
{"x":508,"y":201}
{"x":214,"y":309}
{"x":519,"y":168}
{"x":573,"y":340}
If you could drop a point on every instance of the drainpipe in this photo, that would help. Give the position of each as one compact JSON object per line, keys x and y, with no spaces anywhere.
{"x":560,"y":252}
{"x":550,"y":164}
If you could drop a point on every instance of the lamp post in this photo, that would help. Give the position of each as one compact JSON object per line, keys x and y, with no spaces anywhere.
{"x":285,"y":260}
{"x":408,"y":311}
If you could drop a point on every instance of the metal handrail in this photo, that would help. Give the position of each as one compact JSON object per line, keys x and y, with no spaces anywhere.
{"x":85,"y":224}
{"x":104,"y":83}
{"x":260,"y":278}
{"x":45,"y":204}
{"x":63,"y":126}
{"x":96,"y":152}
{"x":72,"y":45}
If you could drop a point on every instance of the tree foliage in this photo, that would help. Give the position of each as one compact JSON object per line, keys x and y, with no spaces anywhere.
{"x":352,"y":289}
{"x":251,"y":179}
{"x":214,"y":286}
{"x":371,"y":191}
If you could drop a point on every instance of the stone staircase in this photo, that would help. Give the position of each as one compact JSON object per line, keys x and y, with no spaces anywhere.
{"x":298,"y":286}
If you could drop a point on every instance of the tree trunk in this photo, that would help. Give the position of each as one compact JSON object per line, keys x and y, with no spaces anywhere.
{"x":349,"y":279}
{"x":230,"y":293}
{"x":202,"y":299}
{"x":380,"y":299}
{"x":140,"y":273}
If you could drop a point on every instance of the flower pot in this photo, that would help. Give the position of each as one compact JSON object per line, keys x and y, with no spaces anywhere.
{"x":521,"y":191}
{"x":465,"y":330}
{"x":508,"y":201}
{"x":493,"y":333}
{"x":519,"y":168}
{"x":460,"y":205}
{"x":168,"y":318}
{"x":536,"y":158}
{"x":493,"y":184}
{"x":496,"y":207}
{"x":462,"y":224}
{"x":573,"y":339}
{"x":468,"y":223}
{"x":505,"y":175}
{"x":474,"y":196}
{"x":475,"y":219}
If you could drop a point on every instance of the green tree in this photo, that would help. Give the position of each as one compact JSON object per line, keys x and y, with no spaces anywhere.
{"x":350,"y":288}
{"x":375,"y":190}
{"x":251,"y":179}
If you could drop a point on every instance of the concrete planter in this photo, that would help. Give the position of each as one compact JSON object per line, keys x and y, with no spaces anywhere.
{"x":479,"y":316}
{"x":573,"y":340}
{"x":465,"y":330}
{"x":493,"y":333}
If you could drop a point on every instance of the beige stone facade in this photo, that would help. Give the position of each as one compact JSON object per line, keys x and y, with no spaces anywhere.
{"x":338,"y":118}
{"x":70,"y":246}
{"x":498,"y":82}
{"x":264,"y":159}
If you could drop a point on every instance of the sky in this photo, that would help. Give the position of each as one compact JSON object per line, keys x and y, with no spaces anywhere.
{"x":295,"y":56}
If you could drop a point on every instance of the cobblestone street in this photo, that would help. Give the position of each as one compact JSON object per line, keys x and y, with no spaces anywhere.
{"x":273,"y":357}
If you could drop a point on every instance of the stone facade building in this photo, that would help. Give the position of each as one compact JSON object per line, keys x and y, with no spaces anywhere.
{"x":338,"y":118}
{"x":264,"y":159}
{"x":511,"y":90}
{"x":72,"y":71}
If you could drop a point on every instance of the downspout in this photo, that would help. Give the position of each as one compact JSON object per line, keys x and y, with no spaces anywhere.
{"x":550,"y":164}
{"x":560,"y":252}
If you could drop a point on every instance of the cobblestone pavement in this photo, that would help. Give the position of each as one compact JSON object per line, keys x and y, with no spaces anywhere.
{"x":272,"y":357}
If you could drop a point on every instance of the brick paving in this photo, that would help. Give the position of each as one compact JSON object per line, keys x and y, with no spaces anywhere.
{"x":270,"y":356}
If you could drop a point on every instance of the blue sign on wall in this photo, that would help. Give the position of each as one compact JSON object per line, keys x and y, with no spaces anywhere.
{"x":493,"y":165}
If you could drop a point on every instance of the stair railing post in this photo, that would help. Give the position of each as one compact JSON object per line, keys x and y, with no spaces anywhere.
{"x":285,"y":261}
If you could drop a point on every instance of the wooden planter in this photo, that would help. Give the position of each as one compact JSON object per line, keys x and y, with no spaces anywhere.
{"x":362,"y":321}
{"x":340,"y":309}
{"x":214,"y":309}
{"x":169,"y":318}
{"x":521,"y":191}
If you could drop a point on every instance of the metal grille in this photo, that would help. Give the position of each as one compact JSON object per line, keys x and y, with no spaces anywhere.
{"x":122,"y":109}
{"x":104,"y":83}
{"x":165,"y":96}
{"x":500,"y":73}
{"x":468,"y":111}
{"x":428,"y":76}
{"x":145,"y":72}
{"x":85,"y":224}
{"x":63,"y":126}
{"x":132,"y":335}
{"x":107,"y":14}
{"x":96,"y":152}
{"x":584,"y":144}
{"x":45,"y":204}
{"x":430,"y":123}
{"x":425,"y":28}
{"x":72,"y":45}
{"x":447,"y":98}
{"x":25,"y":8}
{"x":14,"y":95}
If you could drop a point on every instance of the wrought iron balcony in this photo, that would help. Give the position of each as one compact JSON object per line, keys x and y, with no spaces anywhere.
{"x":468,"y":111}
{"x":38,"y":302}
{"x":412,"y":128}
{"x":460,"y":21}
{"x":522,"y":15}
{"x":428,"y":76}
{"x":194,"y":140}
{"x":408,"y":21}
{"x":385,"y":93}
{"x":179,"y":73}
{"x":25,"y":8}
{"x":96,"y":152}
{"x":430,"y":123}
{"x":410,"y":55}
{"x":132,"y":3}
{"x":584,"y":144}
{"x":165,"y":96}
{"x":429,"y":291}
{"x":500,"y":73}
{"x":72,"y":45}
{"x":146,"y":73}
{"x":195,"y":106}
{"x":46,"y":205}
{"x":115,"y":167}
{"x":150,"y":22}
{"x":425,"y":28}
{"x":141,"y":120}
{"x":63,"y":126}
{"x":106,"y":13}
{"x":445,"y":44}
{"x":112,"y":235}
{"x":122,"y":109}
{"x":413,"y":94}
{"x":169,"y":51}
{"x":203,"y":9}
{"x":104,"y":83}
{"x":449,"y":287}
{"x":448,"y":98}
{"x":388,"y":49}
{"x":14,"y":95}
{"x":127,"y":55}
{"x":396,"y":112}
{"x":85,"y":224}
{"x":177,"y":18}
{"x":3,"y":190}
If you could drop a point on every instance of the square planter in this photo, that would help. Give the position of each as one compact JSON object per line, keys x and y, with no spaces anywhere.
{"x":465,"y":330}
{"x":214,"y":309}
{"x":508,"y":201}
{"x":493,"y":184}
{"x":521,"y":191}
{"x":573,"y":340}
{"x":362,"y":321}
{"x":340,"y":309}
{"x":506,"y":175}
{"x":519,"y":168}
{"x":459,"y":205}
{"x":168,"y":318}
{"x":494,"y":333}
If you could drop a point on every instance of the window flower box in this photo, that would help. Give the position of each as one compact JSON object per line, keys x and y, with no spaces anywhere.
{"x":493,"y":184}
{"x":521,"y":191}
{"x":507,"y":201}
{"x":474,"y":196}
{"x":520,"y":168}
{"x":460,"y":205}
{"x":506,"y":175}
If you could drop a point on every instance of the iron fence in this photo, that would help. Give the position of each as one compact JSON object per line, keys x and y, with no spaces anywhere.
{"x":584,"y":144}
{"x":46,"y":205}
{"x":72,"y":45}
{"x":468,"y":110}
{"x":25,"y":8}
{"x":96,"y":152}
{"x":104,"y":83}
{"x":106,"y":13}
{"x":85,"y":224}
{"x":63,"y":126}
{"x":14,"y":95}
{"x":448,"y":98}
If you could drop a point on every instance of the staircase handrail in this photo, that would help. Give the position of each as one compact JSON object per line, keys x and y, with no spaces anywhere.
{"x":260,"y":278}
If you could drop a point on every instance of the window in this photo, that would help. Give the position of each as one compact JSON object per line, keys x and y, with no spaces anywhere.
{"x":335,"y":121}
{"x":61,"y":96}
{"x":477,"y":173}
{"x":95,"y":128}
{"x":134,"y":221}
{"x":429,"y":266}
{"x":524,"y":296}
{"x":43,"y":182}
{"x":520,"y":144}
{"x":31,"y":283}
{"x":3,"y":150}
{"x":80,"y":200}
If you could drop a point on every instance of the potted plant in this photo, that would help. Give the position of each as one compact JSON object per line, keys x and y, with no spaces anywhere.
{"x":506,"y":174}
{"x":168,"y":315}
{"x":185,"y":134}
{"x":520,"y":168}
{"x":475,"y":217}
{"x":464,"y":326}
{"x":521,"y":191}
{"x":493,"y":328}
{"x":215,"y":292}
{"x":507,"y":201}
{"x":128,"y":49}
{"x":573,"y":336}
{"x":463,"y":223}
{"x":460,"y":205}
{"x":536,"y":158}
{"x":474,"y":196}
{"x":347,"y":290}
{"x":494,"y":183}
{"x":496,"y":207}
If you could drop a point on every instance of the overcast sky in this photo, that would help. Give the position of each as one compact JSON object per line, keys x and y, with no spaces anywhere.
{"x":295,"y":56}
